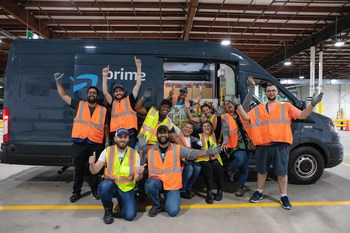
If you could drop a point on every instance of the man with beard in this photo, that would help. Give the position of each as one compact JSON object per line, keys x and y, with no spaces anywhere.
{"x":123,"y":113}
{"x":89,"y":128}
{"x":122,"y":170}
{"x":271,"y":133}
{"x":165,"y":171}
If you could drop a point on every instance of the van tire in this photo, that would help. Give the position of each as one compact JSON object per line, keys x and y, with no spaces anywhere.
{"x":305,"y":166}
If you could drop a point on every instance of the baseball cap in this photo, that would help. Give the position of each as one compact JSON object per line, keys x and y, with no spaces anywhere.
{"x":122,"y":130}
{"x":167,"y":101}
{"x":162,"y":128}
{"x":118,"y":86}
{"x":184,"y":89}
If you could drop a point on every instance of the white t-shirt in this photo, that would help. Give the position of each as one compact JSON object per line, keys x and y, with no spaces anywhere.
{"x":121,"y":154}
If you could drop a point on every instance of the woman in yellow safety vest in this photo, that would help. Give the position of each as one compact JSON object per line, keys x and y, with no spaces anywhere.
{"x":211,"y":166}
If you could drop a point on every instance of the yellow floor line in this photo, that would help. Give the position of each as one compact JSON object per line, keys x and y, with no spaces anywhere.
{"x":346,"y":164}
{"x":194,"y":206}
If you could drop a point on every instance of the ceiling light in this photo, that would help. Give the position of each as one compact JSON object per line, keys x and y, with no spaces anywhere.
{"x":287,"y":63}
{"x":339,"y":43}
{"x":226,"y":42}
{"x":90,"y":47}
{"x":301,"y":77}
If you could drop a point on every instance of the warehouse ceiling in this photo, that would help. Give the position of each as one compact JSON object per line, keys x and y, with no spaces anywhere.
{"x":269,"y":31}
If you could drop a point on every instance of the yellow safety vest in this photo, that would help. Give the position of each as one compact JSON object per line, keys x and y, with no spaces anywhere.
{"x":121,"y":173}
{"x":212,"y":142}
{"x":150,"y":125}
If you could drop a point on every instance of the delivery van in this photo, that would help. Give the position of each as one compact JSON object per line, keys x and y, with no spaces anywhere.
{"x":37,"y":123}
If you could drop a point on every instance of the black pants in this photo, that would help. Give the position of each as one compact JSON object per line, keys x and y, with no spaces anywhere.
{"x":81,"y":154}
{"x":212,"y":169}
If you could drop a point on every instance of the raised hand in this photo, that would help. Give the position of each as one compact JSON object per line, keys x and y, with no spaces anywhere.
{"x":316,"y":99}
{"x":250,"y":82}
{"x":58,"y":77}
{"x":105,"y":72}
{"x":142,"y":142}
{"x":92,"y":159}
{"x":220,"y":110}
{"x":138,"y":63}
{"x":148,"y":93}
{"x":236,"y":100}
{"x":172,"y":91}
{"x":140,"y":170}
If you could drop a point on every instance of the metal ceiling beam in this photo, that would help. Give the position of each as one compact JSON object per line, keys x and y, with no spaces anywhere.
{"x":22,"y":16}
{"x":189,"y":20}
{"x":314,"y":40}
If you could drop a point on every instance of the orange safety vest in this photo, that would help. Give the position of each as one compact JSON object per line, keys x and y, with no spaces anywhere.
{"x":169,"y":171}
{"x":122,"y":115}
{"x":150,"y":125}
{"x":212,"y":142}
{"x":232,"y":130}
{"x":275,"y":127}
{"x":182,"y":138}
{"x":121,"y":173}
{"x":88,"y":127}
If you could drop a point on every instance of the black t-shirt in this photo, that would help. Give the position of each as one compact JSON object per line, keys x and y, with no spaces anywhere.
{"x":163,"y":152}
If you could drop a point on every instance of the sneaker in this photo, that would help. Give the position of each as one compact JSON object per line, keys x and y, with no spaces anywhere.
{"x":154,"y":211}
{"x":108,"y":217}
{"x":241,"y":191}
{"x":75,"y":197}
{"x":285,"y":203}
{"x":256,"y":197}
{"x":95,"y":194}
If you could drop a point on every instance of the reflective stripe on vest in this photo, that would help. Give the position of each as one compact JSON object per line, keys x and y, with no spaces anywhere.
{"x":275,"y":127}
{"x":182,"y":138}
{"x":212,"y":142}
{"x":87,"y":126}
{"x":232,"y":130}
{"x":150,"y":125}
{"x":122,"y":118}
{"x":213,"y":119}
{"x":121,"y":173}
{"x":168,"y":171}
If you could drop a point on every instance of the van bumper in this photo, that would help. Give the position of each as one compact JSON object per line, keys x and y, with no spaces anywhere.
{"x":47,"y":154}
{"x":336,"y":152}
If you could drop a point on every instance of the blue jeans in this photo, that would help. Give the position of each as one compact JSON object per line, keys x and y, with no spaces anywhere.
{"x":126,"y":200}
{"x":153,"y":187}
{"x":241,"y":161}
{"x":189,"y":175}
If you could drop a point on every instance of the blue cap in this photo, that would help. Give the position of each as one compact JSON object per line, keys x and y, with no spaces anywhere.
{"x":184,"y":89}
{"x":122,"y":130}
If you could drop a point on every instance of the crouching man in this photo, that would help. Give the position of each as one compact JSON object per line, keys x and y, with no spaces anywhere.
{"x":165,"y":171}
{"x":122,"y":170}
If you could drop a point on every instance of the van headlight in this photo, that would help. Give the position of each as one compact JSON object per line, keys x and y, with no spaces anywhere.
{"x":331,"y":126}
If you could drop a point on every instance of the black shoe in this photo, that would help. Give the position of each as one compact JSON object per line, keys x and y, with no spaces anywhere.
{"x":117,"y":213}
{"x":186,"y":195}
{"x":209,"y":198}
{"x":108,"y":217}
{"x":241,"y":191}
{"x":75,"y":197}
{"x":95,"y":194}
{"x":154,"y":211}
{"x":218,"y":196}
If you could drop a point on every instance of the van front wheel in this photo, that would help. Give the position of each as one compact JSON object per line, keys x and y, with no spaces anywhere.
{"x":306,"y":165}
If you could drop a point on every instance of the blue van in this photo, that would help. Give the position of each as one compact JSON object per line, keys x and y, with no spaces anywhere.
{"x":37,"y":123}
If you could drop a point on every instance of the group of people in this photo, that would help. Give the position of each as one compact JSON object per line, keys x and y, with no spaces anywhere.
{"x":108,"y":137}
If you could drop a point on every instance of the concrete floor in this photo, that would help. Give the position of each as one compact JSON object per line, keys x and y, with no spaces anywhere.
{"x":36,"y":199}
